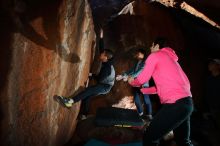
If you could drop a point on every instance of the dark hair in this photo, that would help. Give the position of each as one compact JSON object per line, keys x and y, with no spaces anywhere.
{"x":161,"y":41}
{"x":108,"y":53}
{"x":142,"y":51}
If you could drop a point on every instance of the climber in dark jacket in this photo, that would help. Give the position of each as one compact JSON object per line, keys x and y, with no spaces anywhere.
{"x":105,"y":79}
{"x":107,"y":72}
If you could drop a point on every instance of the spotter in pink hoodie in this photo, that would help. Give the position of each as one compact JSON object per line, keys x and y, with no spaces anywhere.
{"x":171,"y":82}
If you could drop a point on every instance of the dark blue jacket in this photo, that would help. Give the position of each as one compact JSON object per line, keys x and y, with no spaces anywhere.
{"x":135,"y":71}
{"x":107,"y":72}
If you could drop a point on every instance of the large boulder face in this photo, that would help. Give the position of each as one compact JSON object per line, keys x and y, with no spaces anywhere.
{"x":208,"y":7}
{"x":103,"y":10}
{"x":46,"y":50}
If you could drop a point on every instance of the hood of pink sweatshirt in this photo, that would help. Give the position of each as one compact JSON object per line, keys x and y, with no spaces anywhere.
{"x":170,"y":52}
{"x":171,"y":82}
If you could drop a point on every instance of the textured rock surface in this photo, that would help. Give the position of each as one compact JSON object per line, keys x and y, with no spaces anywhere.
{"x":210,"y":8}
{"x":46,"y":49}
{"x":200,"y":10}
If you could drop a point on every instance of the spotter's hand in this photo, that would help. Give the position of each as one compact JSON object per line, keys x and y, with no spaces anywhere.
{"x":130,"y":79}
{"x":119,"y":77}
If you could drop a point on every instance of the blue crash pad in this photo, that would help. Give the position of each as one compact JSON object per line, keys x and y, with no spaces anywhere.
{"x":95,"y":142}
{"x":131,"y":144}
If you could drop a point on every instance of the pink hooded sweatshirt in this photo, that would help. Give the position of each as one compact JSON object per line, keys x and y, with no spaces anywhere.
{"x":171,"y":82}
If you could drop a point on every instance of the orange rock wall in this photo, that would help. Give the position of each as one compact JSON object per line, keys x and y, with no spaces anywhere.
{"x":46,"y":49}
